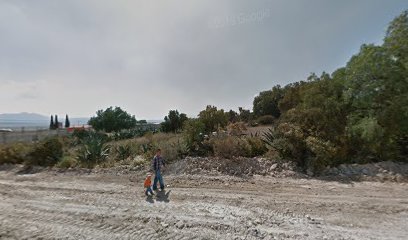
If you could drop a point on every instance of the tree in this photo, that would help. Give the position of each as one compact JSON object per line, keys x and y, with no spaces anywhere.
{"x":56,"y":123}
{"x":67,"y":122}
{"x":52,"y":125}
{"x":377,"y":87}
{"x":244,"y":115}
{"x":173,"y":122}
{"x":213,"y":118}
{"x":112,"y":120}
{"x":396,"y":38}
{"x":232,"y":116}
{"x":266,"y":103}
{"x":193,"y":131}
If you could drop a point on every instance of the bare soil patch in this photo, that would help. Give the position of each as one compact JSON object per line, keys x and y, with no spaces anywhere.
{"x":111,"y":205}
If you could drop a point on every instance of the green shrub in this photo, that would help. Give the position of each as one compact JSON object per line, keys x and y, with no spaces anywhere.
{"x":256,"y":147}
{"x":80,"y":133}
{"x":193,"y":134}
{"x":46,"y":152}
{"x":173,"y":149}
{"x":266,"y":120}
{"x":322,"y":154}
{"x":288,"y":140}
{"x":14,"y":153}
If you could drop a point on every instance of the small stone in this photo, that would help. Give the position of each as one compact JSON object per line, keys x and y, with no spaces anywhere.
{"x":180,"y":225}
{"x":273,"y":167}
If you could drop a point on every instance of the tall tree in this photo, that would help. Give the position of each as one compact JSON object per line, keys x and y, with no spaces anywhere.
{"x":213,"y":118}
{"x":52,"y":125}
{"x":67,"y":122}
{"x":56,"y":123}
{"x":396,"y":39}
{"x":112,"y":120}
{"x":174,"y":121}
{"x":244,"y":114}
{"x":267,"y":102}
{"x":232,"y":116}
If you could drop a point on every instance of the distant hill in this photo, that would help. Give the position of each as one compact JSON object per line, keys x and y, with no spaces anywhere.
{"x":33,"y":120}
{"x":24,"y":116}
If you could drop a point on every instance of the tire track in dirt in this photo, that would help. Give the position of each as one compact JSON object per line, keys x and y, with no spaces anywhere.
{"x":83,"y":208}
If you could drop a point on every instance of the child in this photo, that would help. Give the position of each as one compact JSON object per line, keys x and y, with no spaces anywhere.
{"x":148,"y":185}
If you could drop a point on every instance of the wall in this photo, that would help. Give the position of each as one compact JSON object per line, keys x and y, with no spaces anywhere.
{"x":29,"y":136}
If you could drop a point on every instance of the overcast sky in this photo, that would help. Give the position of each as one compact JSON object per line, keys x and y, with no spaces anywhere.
{"x":147,"y":57}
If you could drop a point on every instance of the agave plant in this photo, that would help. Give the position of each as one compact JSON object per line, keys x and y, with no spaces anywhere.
{"x":123,"y":151}
{"x":277,"y":141}
{"x":93,"y":150}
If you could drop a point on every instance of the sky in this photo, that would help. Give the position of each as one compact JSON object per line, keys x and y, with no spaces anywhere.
{"x":148,"y":57}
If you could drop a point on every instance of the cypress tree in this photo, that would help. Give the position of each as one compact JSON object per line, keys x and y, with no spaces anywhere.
{"x":52,"y":125}
{"x":56,"y":125}
{"x":67,"y":123}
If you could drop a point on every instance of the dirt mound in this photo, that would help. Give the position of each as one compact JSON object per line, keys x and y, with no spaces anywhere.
{"x":381,"y":171}
{"x":241,"y":167}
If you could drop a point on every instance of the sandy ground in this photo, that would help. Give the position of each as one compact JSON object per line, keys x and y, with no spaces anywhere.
{"x":50,"y":205}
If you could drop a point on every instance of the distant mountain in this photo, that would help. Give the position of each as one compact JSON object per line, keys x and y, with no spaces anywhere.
{"x":34,"y":120}
{"x":24,"y":116}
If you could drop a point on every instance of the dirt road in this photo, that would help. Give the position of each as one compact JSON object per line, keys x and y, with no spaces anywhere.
{"x":49,"y":205}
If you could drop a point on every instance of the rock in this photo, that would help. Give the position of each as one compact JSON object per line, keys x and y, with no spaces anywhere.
{"x":399,"y":177}
{"x":273,"y":167}
{"x":180,"y":225}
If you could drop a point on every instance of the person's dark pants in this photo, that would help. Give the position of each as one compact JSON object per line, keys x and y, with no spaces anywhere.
{"x":158,"y":178}
{"x":149,"y":190}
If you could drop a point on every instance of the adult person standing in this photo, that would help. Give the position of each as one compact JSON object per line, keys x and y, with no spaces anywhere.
{"x":157,"y":164}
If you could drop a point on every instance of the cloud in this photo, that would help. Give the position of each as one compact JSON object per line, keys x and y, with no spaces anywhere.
{"x":151,"y":56}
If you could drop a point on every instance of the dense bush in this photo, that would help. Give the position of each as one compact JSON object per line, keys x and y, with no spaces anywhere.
{"x":236,"y":129}
{"x":229,"y":147}
{"x":193,"y":134}
{"x":67,"y":162}
{"x":213,"y":119}
{"x":14,"y":153}
{"x":46,"y":152}
{"x":357,"y":114}
{"x":80,"y":134}
{"x":255,"y":147}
